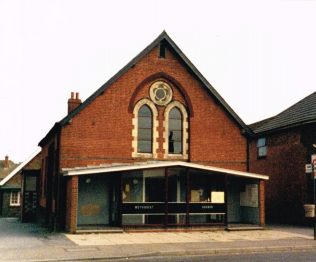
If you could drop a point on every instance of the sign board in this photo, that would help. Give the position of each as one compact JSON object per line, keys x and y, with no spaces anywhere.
{"x":308,"y":168}
{"x":313,"y":160}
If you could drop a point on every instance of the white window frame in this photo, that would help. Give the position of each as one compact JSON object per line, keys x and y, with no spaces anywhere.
{"x":262,"y":153}
{"x":13,"y":201}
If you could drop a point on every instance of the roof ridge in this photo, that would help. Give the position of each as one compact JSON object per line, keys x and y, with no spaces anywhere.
{"x":295,"y":109}
{"x":187,"y":62}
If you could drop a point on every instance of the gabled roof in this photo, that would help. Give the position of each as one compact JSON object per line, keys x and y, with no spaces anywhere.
{"x":19,"y":167}
{"x":5,"y":171}
{"x":156,"y":164}
{"x":301,"y":113}
{"x":163,"y":37}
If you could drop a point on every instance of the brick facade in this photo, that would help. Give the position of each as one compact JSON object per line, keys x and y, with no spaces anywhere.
{"x":102,"y":132}
{"x":286,"y":190}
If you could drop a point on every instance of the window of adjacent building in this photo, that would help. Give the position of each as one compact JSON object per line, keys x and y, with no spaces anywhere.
{"x":175,"y":131}
{"x":15,"y":198}
{"x":262,"y":147}
{"x":145,"y":130}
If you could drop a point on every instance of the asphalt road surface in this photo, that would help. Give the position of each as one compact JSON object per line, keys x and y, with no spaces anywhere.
{"x":256,"y":257}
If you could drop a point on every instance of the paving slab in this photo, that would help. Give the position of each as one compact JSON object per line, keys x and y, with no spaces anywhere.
{"x":28,"y":242}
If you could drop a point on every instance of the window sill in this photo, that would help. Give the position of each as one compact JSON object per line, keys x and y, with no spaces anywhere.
{"x":143,"y":155}
{"x":14,"y":205}
{"x":176,"y":156}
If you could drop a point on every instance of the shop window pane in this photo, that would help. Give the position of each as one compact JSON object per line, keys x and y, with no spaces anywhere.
{"x":154,"y":185}
{"x":202,"y":185}
{"x":133,"y":219}
{"x":132,"y":185}
{"x":154,"y":219}
{"x":177,"y":219}
{"x":206,"y":219}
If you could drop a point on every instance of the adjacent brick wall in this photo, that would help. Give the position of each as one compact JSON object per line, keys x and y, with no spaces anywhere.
{"x":285,"y":165}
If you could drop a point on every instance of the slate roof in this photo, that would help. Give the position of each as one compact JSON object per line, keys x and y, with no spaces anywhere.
{"x":163,"y":37}
{"x":303,"y":112}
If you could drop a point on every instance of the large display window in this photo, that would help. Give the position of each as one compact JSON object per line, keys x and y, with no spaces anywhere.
{"x":172,"y":197}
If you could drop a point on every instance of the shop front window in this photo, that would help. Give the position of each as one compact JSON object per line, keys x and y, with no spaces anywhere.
{"x":172,"y":197}
{"x":143,"y":197}
{"x":207,"y":198}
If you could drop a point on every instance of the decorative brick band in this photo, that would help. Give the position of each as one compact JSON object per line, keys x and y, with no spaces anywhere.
{"x":155,"y":145}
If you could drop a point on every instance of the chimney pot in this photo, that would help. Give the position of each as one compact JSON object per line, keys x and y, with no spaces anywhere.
{"x":6,"y":162}
{"x":73,"y":102}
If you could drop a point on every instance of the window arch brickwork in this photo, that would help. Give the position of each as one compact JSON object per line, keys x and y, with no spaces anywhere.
{"x":155,"y":134}
{"x":185,"y":135}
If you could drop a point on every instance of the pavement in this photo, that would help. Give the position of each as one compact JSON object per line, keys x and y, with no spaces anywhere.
{"x":29,"y":242}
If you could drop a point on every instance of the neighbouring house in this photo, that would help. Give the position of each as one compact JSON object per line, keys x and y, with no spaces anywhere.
{"x":10,"y":192}
{"x":281,"y":147}
{"x":155,"y":146}
{"x":18,"y":189}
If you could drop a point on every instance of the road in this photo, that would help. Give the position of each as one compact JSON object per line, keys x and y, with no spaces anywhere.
{"x":258,"y":257}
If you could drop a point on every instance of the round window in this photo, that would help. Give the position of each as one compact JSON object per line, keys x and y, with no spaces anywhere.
{"x":160,"y":93}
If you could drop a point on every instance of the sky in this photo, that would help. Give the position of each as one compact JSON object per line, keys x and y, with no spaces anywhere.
{"x":259,"y":55}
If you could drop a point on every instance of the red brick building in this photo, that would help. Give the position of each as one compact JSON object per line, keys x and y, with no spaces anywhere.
{"x":156,"y":145}
{"x":283,"y":144}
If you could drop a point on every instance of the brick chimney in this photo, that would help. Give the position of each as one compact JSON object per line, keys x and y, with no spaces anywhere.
{"x":6,"y":162}
{"x":73,"y":102}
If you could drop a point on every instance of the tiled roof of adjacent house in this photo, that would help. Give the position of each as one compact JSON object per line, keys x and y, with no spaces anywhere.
{"x":303,"y":112}
{"x":4,"y":171}
{"x":16,"y":168}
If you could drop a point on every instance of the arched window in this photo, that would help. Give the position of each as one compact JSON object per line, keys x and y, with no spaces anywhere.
{"x":175,"y":131}
{"x":145,"y":130}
